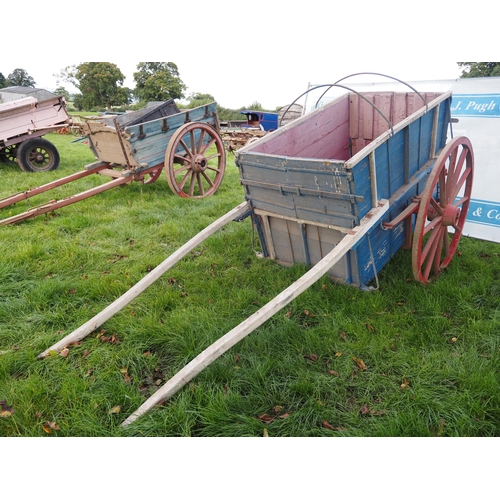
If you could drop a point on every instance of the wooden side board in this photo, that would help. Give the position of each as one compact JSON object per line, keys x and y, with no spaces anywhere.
{"x":27,"y":115}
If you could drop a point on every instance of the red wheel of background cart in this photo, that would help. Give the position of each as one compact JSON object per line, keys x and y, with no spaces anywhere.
{"x":442,"y":208}
{"x":152,"y":176}
{"x":195,"y":160}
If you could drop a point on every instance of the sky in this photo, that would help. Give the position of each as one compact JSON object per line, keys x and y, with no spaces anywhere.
{"x":257,"y":51}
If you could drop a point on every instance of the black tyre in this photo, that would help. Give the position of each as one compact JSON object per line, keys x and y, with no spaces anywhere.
{"x":37,"y":155}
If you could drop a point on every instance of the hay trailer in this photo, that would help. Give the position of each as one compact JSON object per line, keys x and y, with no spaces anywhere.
{"x":23,"y":122}
{"x":341,"y":189}
{"x":137,"y":146}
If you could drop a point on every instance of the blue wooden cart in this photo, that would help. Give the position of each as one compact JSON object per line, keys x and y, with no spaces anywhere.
{"x":340,"y":189}
{"x":137,"y":146}
{"x":311,"y":183}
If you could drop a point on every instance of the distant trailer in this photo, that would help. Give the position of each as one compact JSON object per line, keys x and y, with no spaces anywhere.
{"x":23,"y":122}
{"x":239,"y":133}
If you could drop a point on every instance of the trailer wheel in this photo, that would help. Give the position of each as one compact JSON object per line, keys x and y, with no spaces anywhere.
{"x":443,"y":206}
{"x":37,"y":155}
{"x":198,"y":151}
{"x":8,"y":154}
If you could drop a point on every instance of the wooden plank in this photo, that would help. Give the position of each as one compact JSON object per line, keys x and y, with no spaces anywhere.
{"x":384,"y":103}
{"x":286,"y":236}
{"x":269,"y":237}
{"x":105,"y":144}
{"x":323,"y":133}
{"x":400,"y":111}
{"x":263,"y":213}
{"x":231,"y":338}
{"x":55,"y":204}
{"x":386,"y":135}
{"x":148,"y":280}
{"x":31,"y":116}
{"x":366,"y":114}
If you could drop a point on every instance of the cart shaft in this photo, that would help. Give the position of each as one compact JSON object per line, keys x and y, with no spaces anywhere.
{"x":235,"y":214}
{"x":219,"y":347}
{"x":55,"y":204}
{"x":15,"y":198}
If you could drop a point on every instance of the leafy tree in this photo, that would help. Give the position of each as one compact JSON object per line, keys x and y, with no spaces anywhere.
{"x":255,"y":106}
{"x":19,"y":77}
{"x":196,"y":99}
{"x":226,"y":114}
{"x":479,"y":69}
{"x":100,"y":84}
{"x":62,"y":91}
{"x":2,"y":81}
{"x":158,"y":81}
{"x":78,"y":102}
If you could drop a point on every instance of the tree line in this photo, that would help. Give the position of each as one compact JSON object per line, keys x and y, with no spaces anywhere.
{"x":100,"y":85}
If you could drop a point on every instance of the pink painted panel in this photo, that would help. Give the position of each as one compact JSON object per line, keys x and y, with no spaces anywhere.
{"x":400,"y":111}
{"x":28,"y":116}
{"x":384,"y":102}
{"x":342,"y":128}
{"x":367,"y":123}
{"x":323,"y":133}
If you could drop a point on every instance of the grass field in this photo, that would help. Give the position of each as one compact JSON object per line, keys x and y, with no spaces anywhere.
{"x":407,"y":360}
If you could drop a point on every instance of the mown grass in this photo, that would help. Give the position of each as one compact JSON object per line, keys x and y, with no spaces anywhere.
{"x":407,"y":360}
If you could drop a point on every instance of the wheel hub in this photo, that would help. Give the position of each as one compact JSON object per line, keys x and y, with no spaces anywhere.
{"x":451,"y":215}
{"x":199,"y":163}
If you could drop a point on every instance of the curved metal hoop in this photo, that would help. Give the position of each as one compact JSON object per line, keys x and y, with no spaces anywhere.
{"x":336,"y":84}
{"x":330,"y":85}
{"x":378,"y":74}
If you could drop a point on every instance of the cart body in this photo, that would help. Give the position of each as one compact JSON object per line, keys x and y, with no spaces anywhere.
{"x":22,"y":123}
{"x":26,"y":118}
{"x":140,"y":139}
{"x":313,"y":180}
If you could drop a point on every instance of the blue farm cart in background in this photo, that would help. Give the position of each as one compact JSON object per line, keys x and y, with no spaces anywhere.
{"x":239,"y":133}
{"x":261,"y":119}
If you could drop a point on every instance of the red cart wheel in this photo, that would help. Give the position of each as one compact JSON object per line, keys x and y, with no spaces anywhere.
{"x":441,"y":208}
{"x":198,"y":151}
{"x":152,"y":176}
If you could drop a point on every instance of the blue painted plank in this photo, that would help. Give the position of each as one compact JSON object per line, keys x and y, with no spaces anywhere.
{"x":149,"y":140}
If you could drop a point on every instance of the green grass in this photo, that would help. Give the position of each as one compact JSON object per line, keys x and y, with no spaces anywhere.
{"x":431,"y":352}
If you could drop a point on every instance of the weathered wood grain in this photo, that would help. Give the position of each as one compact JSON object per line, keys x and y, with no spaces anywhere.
{"x":148,"y":280}
{"x":231,"y":338}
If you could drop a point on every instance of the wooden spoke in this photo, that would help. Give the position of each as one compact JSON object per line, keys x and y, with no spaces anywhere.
{"x":441,"y":216}
{"x":199,"y":149}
